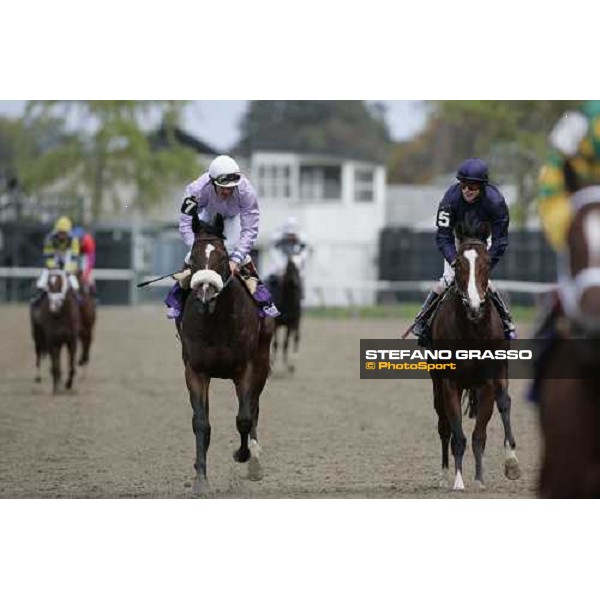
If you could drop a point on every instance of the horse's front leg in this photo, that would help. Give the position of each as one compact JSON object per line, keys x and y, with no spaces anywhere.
{"x":38,"y":364}
{"x":72,"y":349}
{"x":443,"y":431}
{"x":485,"y":408}
{"x":452,"y":393}
{"x":512,"y":469}
{"x":286,"y":347}
{"x":248,"y":389}
{"x":274,"y":348}
{"x":86,"y":339}
{"x":243,"y":421}
{"x":55,"y":368}
{"x":197,"y":384}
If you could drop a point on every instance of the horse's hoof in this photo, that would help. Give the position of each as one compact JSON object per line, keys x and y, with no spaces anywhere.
{"x":479,"y":485}
{"x":200,"y":487}
{"x":38,"y":379}
{"x":240,"y":456}
{"x":512,"y":469}
{"x":444,"y":482}
{"x":291,"y":369}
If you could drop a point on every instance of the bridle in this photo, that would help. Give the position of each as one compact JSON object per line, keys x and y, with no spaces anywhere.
{"x":56,"y":299}
{"x":462,"y":294}
{"x":209,"y":274}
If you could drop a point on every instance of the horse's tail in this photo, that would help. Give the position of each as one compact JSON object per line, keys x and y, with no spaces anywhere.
{"x":472,"y":402}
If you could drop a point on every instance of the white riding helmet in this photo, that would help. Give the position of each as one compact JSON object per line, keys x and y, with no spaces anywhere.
{"x":224,"y":171}
{"x":291,"y":225}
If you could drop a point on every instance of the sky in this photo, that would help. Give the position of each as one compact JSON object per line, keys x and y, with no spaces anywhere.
{"x":216,"y":121}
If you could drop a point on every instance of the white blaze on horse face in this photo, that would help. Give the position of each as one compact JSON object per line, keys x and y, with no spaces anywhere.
{"x":591,"y":228}
{"x":474,"y":299}
{"x":208,"y":251}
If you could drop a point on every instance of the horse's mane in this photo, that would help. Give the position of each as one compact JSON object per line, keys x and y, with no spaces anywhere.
{"x":472,"y":228}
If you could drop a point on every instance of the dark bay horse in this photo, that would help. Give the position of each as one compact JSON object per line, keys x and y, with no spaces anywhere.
{"x":222,"y":336}
{"x":55,"y":323}
{"x":466,"y":315}
{"x":287,"y":295}
{"x":87,"y":309}
{"x":570,"y":408}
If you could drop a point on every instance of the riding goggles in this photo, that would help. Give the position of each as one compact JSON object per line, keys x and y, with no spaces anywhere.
{"x":228,"y":178}
{"x":470,"y":185}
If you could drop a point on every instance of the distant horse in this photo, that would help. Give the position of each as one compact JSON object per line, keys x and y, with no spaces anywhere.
{"x":287,"y":294}
{"x":87,"y":309}
{"x":55,"y":323}
{"x":466,"y":314}
{"x":570,"y":408}
{"x":222,"y":336}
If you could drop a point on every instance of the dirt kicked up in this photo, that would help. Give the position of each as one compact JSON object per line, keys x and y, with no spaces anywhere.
{"x":125,"y":431}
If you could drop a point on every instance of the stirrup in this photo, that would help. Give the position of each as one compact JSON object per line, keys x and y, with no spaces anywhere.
{"x":271,"y":310}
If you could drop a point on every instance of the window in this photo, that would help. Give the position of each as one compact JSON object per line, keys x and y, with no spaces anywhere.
{"x":364,"y":184}
{"x":274,"y":181}
{"x":320,"y":182}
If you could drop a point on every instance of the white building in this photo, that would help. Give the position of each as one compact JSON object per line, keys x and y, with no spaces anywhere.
{"x":340,"y":205}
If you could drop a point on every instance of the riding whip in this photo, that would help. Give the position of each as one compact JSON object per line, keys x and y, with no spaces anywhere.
{"x":145,"y":283}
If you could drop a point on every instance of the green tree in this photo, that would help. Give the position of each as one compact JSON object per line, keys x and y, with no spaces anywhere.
{"x":510,"y":134}
{"x":108,"y":150}
{"x":343,"y":127}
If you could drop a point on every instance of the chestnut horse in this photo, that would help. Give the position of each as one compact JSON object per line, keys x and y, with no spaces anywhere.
{"x":570,"y":408}
{"x":55,"y":323}
{"x":466,"y":314}
{"x":222,"y":336}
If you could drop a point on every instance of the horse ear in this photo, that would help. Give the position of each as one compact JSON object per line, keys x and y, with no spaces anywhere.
{"x":485,"y":229}
{"x":195,"y":223}
{"x":218,"y":224}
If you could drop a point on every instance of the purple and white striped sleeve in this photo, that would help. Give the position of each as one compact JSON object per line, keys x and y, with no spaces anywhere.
{"x":249,"y":219}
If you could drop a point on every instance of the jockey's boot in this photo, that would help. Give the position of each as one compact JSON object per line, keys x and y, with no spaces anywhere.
{"x":421,"y":319}
{"x":510,"y":332}
{"x":260,"y":292}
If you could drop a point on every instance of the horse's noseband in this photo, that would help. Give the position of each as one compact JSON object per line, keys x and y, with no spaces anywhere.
{"x":209,"y":306}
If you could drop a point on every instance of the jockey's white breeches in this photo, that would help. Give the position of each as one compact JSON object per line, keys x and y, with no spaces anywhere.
{"x":42,"y":282}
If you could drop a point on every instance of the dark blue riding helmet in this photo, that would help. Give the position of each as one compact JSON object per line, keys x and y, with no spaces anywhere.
{"x":473,"y":169}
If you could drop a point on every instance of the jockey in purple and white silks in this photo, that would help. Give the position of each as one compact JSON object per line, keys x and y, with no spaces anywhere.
{"x":473,"y":197}
{"x":224,"y":190}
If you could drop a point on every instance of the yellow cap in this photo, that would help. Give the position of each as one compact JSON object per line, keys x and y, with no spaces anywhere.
{"x":63,"y":224}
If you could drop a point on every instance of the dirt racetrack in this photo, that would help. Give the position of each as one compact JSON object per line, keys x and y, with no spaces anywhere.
{"x":125,"y":432}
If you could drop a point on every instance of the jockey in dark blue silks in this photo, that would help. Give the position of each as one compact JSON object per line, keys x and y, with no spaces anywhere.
{"x":473,"y":199}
